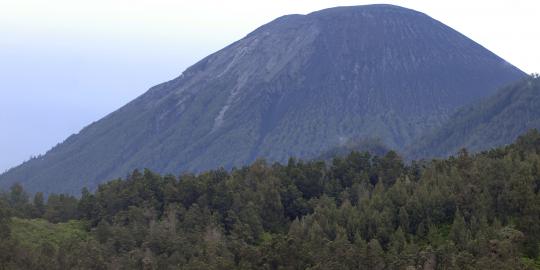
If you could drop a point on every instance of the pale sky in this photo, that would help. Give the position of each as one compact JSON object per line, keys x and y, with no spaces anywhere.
{"x":67,"y":63}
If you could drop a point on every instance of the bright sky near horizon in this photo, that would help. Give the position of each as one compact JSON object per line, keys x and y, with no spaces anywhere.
{"x":67,"y":63}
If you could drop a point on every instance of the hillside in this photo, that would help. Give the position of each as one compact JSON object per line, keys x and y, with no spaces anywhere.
{"x":495,"y":121}
{"x":354,"y":212}
{"x":297,"y":86}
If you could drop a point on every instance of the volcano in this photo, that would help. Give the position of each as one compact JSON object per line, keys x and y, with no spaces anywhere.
{"x":297,"y":86}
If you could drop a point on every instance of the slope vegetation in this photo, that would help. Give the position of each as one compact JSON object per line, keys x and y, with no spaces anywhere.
{"x":356,"y":212}
{"x":495,"y":121}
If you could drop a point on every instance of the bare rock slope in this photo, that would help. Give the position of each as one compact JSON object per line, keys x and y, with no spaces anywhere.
{"x":297,"y":86}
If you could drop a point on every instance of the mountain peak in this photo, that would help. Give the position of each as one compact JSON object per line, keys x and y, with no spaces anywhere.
{"x":296,"y":86}
{"x":365,"y":9}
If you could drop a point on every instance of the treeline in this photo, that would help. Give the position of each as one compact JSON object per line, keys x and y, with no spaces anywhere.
{"x":356,"y":212}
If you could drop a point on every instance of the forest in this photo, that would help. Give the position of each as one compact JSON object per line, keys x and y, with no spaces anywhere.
{"x":357,"y":211}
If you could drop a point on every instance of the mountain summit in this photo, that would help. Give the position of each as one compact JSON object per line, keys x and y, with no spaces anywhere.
{"x":297,"y":86}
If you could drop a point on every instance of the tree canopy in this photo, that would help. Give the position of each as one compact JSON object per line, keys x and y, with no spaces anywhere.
{"x":360,"y":211}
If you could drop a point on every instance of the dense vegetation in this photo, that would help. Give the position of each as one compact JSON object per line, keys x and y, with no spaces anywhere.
{"x":494,"y":121}
{"x":356,"y":212}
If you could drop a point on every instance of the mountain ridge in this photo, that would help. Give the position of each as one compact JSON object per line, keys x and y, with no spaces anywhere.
{"x":297,"y":86}
{"x":491,"y":122}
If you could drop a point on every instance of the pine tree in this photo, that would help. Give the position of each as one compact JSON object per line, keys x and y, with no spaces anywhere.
{"x":39,"y":205}
{"x":87,"y":206}
{"x":403,"y":219}
{"x":375,"y":255}
{"x":5,"y":217}
{"x":103,"y":231}
{"x":459,"y":232}
{"x":18,"y":201}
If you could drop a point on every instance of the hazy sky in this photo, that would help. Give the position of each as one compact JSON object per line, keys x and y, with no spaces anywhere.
{"x":67,"y":63}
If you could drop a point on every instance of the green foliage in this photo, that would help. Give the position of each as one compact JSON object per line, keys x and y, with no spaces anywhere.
{"x":5,"y":219}
{"x":39,"y":205}
{"x":60,"y":208}
{"x":355,"y":212}
{"x":35,"y":233}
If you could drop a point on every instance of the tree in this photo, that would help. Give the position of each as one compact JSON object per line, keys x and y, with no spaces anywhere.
{"x":375,"y":255}
{"x":403,"y":219}
{"x":103,"y":231}
{"x":60,"y":208}
{"x":6,"y":244}
{"x":459,"y":233}
{"x":529,"y":222}
{"x":5,"y":217}
{"x":39,"y":205}
{"x":87,"y":206}
{"x":477,"y":211}
{"x":18,"y":200}
{"x":390,"y":167}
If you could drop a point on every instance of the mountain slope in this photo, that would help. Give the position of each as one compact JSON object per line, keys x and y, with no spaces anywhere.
{"x":495,"y":121}
{"x":297,"y":86}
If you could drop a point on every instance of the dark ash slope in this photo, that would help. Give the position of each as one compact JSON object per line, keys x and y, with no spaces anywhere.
{"x":297,"y":86}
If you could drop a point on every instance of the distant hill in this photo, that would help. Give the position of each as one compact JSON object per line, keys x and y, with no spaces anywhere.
{"x":495,"y":121}
{"x":297,"y":86}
